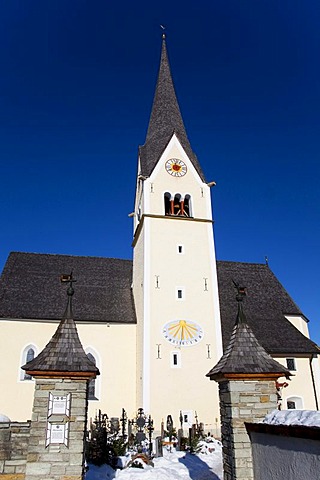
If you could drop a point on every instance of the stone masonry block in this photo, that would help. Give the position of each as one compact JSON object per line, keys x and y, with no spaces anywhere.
{"x":74,"y":469}
{"x":21,"y":469}
{"x":240,"y":437}
{"x":8,"y":469}
{"x":71,"y":477}
{"x":58,"y":469}
{"x":15,"y":463}
{"x":76,"y":459}
{"x":242,"y":453}
{"x":14,"y":476}
{"x":38,"y":468}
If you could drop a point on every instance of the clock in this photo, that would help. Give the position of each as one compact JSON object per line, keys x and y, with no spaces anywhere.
{"x":182,"y":333}
{"x":176,"y":167}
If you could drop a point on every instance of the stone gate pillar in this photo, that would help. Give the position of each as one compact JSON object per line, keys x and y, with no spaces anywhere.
{"x":246,"y":374}
{"x":61,"y":371}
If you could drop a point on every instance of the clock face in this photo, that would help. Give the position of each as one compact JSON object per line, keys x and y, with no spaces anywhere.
{"x":182,"y":333}
{"x":176,"y":167}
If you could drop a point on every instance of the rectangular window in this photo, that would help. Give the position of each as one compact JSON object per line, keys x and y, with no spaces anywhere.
{"x":180,"y":293}
{"x":291,"y":364}
{"x":176,"y":359}
{"x":180,"y":249}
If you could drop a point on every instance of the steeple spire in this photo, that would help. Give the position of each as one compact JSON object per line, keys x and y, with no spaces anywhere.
{"x":165,"y":120}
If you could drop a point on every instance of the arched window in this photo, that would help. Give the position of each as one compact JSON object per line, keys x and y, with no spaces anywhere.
{"x":92,"y":382}
{"x":28,"y":354}
{"x":187,"y":206}
{"x":177,"y":204}
{"x":167,"y":203}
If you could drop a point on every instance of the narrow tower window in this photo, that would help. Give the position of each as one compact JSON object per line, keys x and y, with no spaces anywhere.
{"x":180,"y":293}
{"x":167,"y":203}
{"x":177,"y":204}
{"x":176,"y":359}
{"x":187,"y":206}
{"x":180,"y":249}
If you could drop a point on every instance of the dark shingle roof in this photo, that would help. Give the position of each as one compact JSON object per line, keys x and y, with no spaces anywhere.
{"x":165,"y":120}
{"x":64,"y":352}
{"x":266,"y":304}
{"x":244,"y":354}
{"x":30,"y":288}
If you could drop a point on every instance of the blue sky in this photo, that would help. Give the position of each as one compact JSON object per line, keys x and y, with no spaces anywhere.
{"x":76,"y":88}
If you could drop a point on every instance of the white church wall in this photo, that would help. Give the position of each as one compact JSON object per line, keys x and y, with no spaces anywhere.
{"x":115,"y":349}
{"x":300,"y":323}
{"x":300,"y":384}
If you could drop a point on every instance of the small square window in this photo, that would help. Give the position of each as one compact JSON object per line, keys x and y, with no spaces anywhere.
{"x":291,"y":405}
{"x":291,"y":364}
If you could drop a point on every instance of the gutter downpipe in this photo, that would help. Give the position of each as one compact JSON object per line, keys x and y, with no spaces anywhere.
{"x":313,"y":382}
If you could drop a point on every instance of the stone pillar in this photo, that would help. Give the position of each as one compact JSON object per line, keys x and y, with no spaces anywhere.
{"x":47,"y":459}
{"x":242,"y":401}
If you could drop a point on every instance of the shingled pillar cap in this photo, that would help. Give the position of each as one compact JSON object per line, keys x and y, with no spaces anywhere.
{"x":244,"y":357}
{"x":63,"y":356}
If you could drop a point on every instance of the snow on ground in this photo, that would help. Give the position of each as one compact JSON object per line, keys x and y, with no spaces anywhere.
{"x":206,"y":465}
{"x":308,"y":418}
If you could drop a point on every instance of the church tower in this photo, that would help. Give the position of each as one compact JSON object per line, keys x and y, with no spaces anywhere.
{"x":174,"y":270}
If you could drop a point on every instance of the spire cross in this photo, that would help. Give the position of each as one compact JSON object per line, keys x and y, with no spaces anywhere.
{"x":163,"y":28}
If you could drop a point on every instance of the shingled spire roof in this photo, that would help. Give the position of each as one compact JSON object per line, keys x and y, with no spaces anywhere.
{"x":165,"y":120}
{"x":63,"y":356}
{"x":244,"y":356}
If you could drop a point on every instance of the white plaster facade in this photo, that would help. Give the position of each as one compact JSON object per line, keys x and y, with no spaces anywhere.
{"x":159,"y":272}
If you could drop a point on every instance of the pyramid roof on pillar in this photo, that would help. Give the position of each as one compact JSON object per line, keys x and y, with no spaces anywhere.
{"x":165,"y":120}
{"x":64,"y":353}
{"x":244,"y":356}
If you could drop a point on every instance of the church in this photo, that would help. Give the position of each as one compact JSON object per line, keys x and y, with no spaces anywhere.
{"x":156,"y":325}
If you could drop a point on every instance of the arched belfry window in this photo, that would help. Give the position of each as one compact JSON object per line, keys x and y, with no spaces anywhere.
{"x":187,"y":206}
{"x":28,"y":354}
{"x":167,"y":204}
{"x":92,"y":382}
{"x":177,"y":205}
